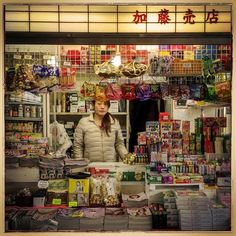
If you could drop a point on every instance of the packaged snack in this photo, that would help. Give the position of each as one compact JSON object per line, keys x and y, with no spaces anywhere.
{"x":155,"y":92}
{"x":97,"y":190}
{"x":113,"y":188}
{"x":143,"y":92}
{"x":128,"y":91}
{"x":174,"y":92}
{"x":113,"y":91}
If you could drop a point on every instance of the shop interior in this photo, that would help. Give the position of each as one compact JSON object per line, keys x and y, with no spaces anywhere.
{"x":173,"y":103}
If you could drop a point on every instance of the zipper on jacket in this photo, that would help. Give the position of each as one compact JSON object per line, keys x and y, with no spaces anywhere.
{"x":102,"y":145}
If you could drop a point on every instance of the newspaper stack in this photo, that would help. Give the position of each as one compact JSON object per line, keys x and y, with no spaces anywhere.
{"x":68,"y":219}
{"x":10,"y":212}
{"x":140,"y":218}
{"x":44,"y":220}
{"x":194,"y":211}
{"x":135,"y":200}
{"x":92,"y":219}
{"x":220,"y":217}
{"x":74,"y":165}
{"x":116,"y":219}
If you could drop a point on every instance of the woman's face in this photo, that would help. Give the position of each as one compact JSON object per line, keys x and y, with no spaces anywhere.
{"x":101,"y":108}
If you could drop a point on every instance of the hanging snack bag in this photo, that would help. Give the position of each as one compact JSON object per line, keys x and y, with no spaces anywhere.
{"x":113,"y":91}
{"x":128,"y":91}
{"x":143,"y":92}
{"x":155,"y":92}
{"x":185,"y":92}
{"x":89,"y":90}
{"x":164,"y":91}
{"x":175,"y":92}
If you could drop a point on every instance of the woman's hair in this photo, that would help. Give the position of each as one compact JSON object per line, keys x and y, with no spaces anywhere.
{"x":106,"y":121}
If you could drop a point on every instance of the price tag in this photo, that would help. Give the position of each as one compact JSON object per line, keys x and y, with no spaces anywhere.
{"x":73,"y":204}
{"x":56,"y":201}
{"x":17,"y":56}
{"x":43,"y":184}
{"x":47,"y":57}
{"x":201,"y":103}
{"x":27,"y":57}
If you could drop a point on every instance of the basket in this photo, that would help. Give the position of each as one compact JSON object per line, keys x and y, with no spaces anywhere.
{"x":187,"y":67}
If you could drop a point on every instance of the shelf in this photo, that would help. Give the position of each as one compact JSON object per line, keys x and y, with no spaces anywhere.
{"x":187,"y":184}
{"x":23,"y":103}
{"x":202,"y":104}
{"x":132,"y":182}
{"x":83,"y":113}
{"x":23,"y":119}
{"x":153,"y":186}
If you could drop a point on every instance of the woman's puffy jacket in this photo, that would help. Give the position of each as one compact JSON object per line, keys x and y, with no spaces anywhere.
{"x":92,"y":143}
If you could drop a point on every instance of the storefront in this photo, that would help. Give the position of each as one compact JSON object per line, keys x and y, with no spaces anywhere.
{"x":77,"y":37}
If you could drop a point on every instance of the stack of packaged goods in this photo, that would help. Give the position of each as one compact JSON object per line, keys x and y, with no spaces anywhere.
{"x":51,"y":168}
{"x":171,"y":210}
{"x":220,"y":217}
{"x":74,"y":165}
{"x":92,"y":219}
{"x":139,"y":218}
{"x":194,"y":211}
{"x":159,"y":216}
{"x":68,"y":219}
{"x":135,"y":200}
{"x":22,"y":219}
{"x":9,"y":214}
{"x":116,"y":219}
{"x":57,"y":192}
{"x":44,"y":220}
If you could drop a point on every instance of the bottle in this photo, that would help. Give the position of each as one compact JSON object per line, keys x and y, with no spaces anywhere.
{"x":20,"y":111}
{"x":39,"y":112}
{"x":33,"y":111}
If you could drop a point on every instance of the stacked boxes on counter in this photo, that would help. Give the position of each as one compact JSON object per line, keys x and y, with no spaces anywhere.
{"x":180,"y":209}
{"x":171,"y":209}
{"x":220,"y":217}
{"x":194,"y":210}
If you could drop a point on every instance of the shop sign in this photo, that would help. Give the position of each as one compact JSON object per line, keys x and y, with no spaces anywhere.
{"x":119,"y":18}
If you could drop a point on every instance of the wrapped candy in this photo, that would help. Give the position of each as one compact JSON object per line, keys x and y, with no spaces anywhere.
{"x":129,"y":158}
{"x":106,"y":69}
{"x":133,"y":69}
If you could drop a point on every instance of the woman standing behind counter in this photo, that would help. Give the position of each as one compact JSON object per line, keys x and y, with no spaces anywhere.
{"x":98,"y":137}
